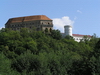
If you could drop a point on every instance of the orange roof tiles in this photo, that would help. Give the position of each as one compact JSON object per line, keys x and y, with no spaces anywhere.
{"x":28,"y":18}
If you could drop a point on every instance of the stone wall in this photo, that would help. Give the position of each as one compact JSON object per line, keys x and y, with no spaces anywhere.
{"x":38,"y":24}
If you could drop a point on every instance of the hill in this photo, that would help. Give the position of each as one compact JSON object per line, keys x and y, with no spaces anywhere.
{"x":37,"y":53}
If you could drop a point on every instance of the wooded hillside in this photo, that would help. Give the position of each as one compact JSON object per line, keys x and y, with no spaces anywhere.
{"x":38,"y":53}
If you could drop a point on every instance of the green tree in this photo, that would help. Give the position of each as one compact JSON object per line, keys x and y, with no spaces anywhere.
{"x":5,"y":66}
{"x":69,"y":37}
{"x":56,"y":34}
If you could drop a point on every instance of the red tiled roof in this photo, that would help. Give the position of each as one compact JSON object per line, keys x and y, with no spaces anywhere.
{"x":81,"y":35}
{"x":28,"y":18}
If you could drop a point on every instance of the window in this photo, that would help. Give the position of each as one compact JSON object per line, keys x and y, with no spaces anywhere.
{"x":50,"y":29}
{"x":46,"y":29}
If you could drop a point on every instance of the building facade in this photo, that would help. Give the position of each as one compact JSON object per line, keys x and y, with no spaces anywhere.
{"x":40,"y":22}
{"x":76,"y":37}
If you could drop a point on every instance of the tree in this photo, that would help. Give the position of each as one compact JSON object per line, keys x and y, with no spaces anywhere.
{"x":5,"y":66}
{"x":26,"y":62}
{"x":97,"y":49}
{"x":56,"y":34}
{"x":69,"y":37}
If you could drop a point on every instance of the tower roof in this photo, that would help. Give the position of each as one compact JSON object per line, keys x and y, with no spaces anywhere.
{"x":67,"y":26}
{"x":27,"y":18}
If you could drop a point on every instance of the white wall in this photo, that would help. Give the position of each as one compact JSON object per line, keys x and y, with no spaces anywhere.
{"x":77,"y":38}
{"x":68,"y":30}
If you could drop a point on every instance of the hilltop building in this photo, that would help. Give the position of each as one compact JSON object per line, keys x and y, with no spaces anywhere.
{"x":40,"y":22}
{"x":77,"y":37}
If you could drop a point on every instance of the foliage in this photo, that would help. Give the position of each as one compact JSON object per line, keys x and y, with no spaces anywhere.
{"x":38,"y":53}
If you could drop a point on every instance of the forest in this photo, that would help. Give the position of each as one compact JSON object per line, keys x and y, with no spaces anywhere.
{"x":31,"y":52}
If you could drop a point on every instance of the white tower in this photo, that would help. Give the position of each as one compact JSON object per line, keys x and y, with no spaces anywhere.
{"x":68,"y":30}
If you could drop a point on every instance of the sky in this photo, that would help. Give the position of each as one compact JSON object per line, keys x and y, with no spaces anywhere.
{"x":83,"y":15}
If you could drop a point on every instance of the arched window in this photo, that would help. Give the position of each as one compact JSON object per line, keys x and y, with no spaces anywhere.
{"x":46,"y":29}
{"x":50,"y":29}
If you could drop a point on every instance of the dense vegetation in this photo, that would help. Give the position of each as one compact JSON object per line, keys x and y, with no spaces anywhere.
{"x":37,"y":53}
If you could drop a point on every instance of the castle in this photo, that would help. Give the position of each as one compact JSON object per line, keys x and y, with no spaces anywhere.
{"x":41,"y":23}
{"x":76,"y":37}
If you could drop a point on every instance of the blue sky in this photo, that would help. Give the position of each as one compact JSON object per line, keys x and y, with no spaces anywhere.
{"x":83,"y":15}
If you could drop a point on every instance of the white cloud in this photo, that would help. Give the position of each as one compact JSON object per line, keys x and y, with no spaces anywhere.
{"x":59,"y":23}
{"x":79,"y":11}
